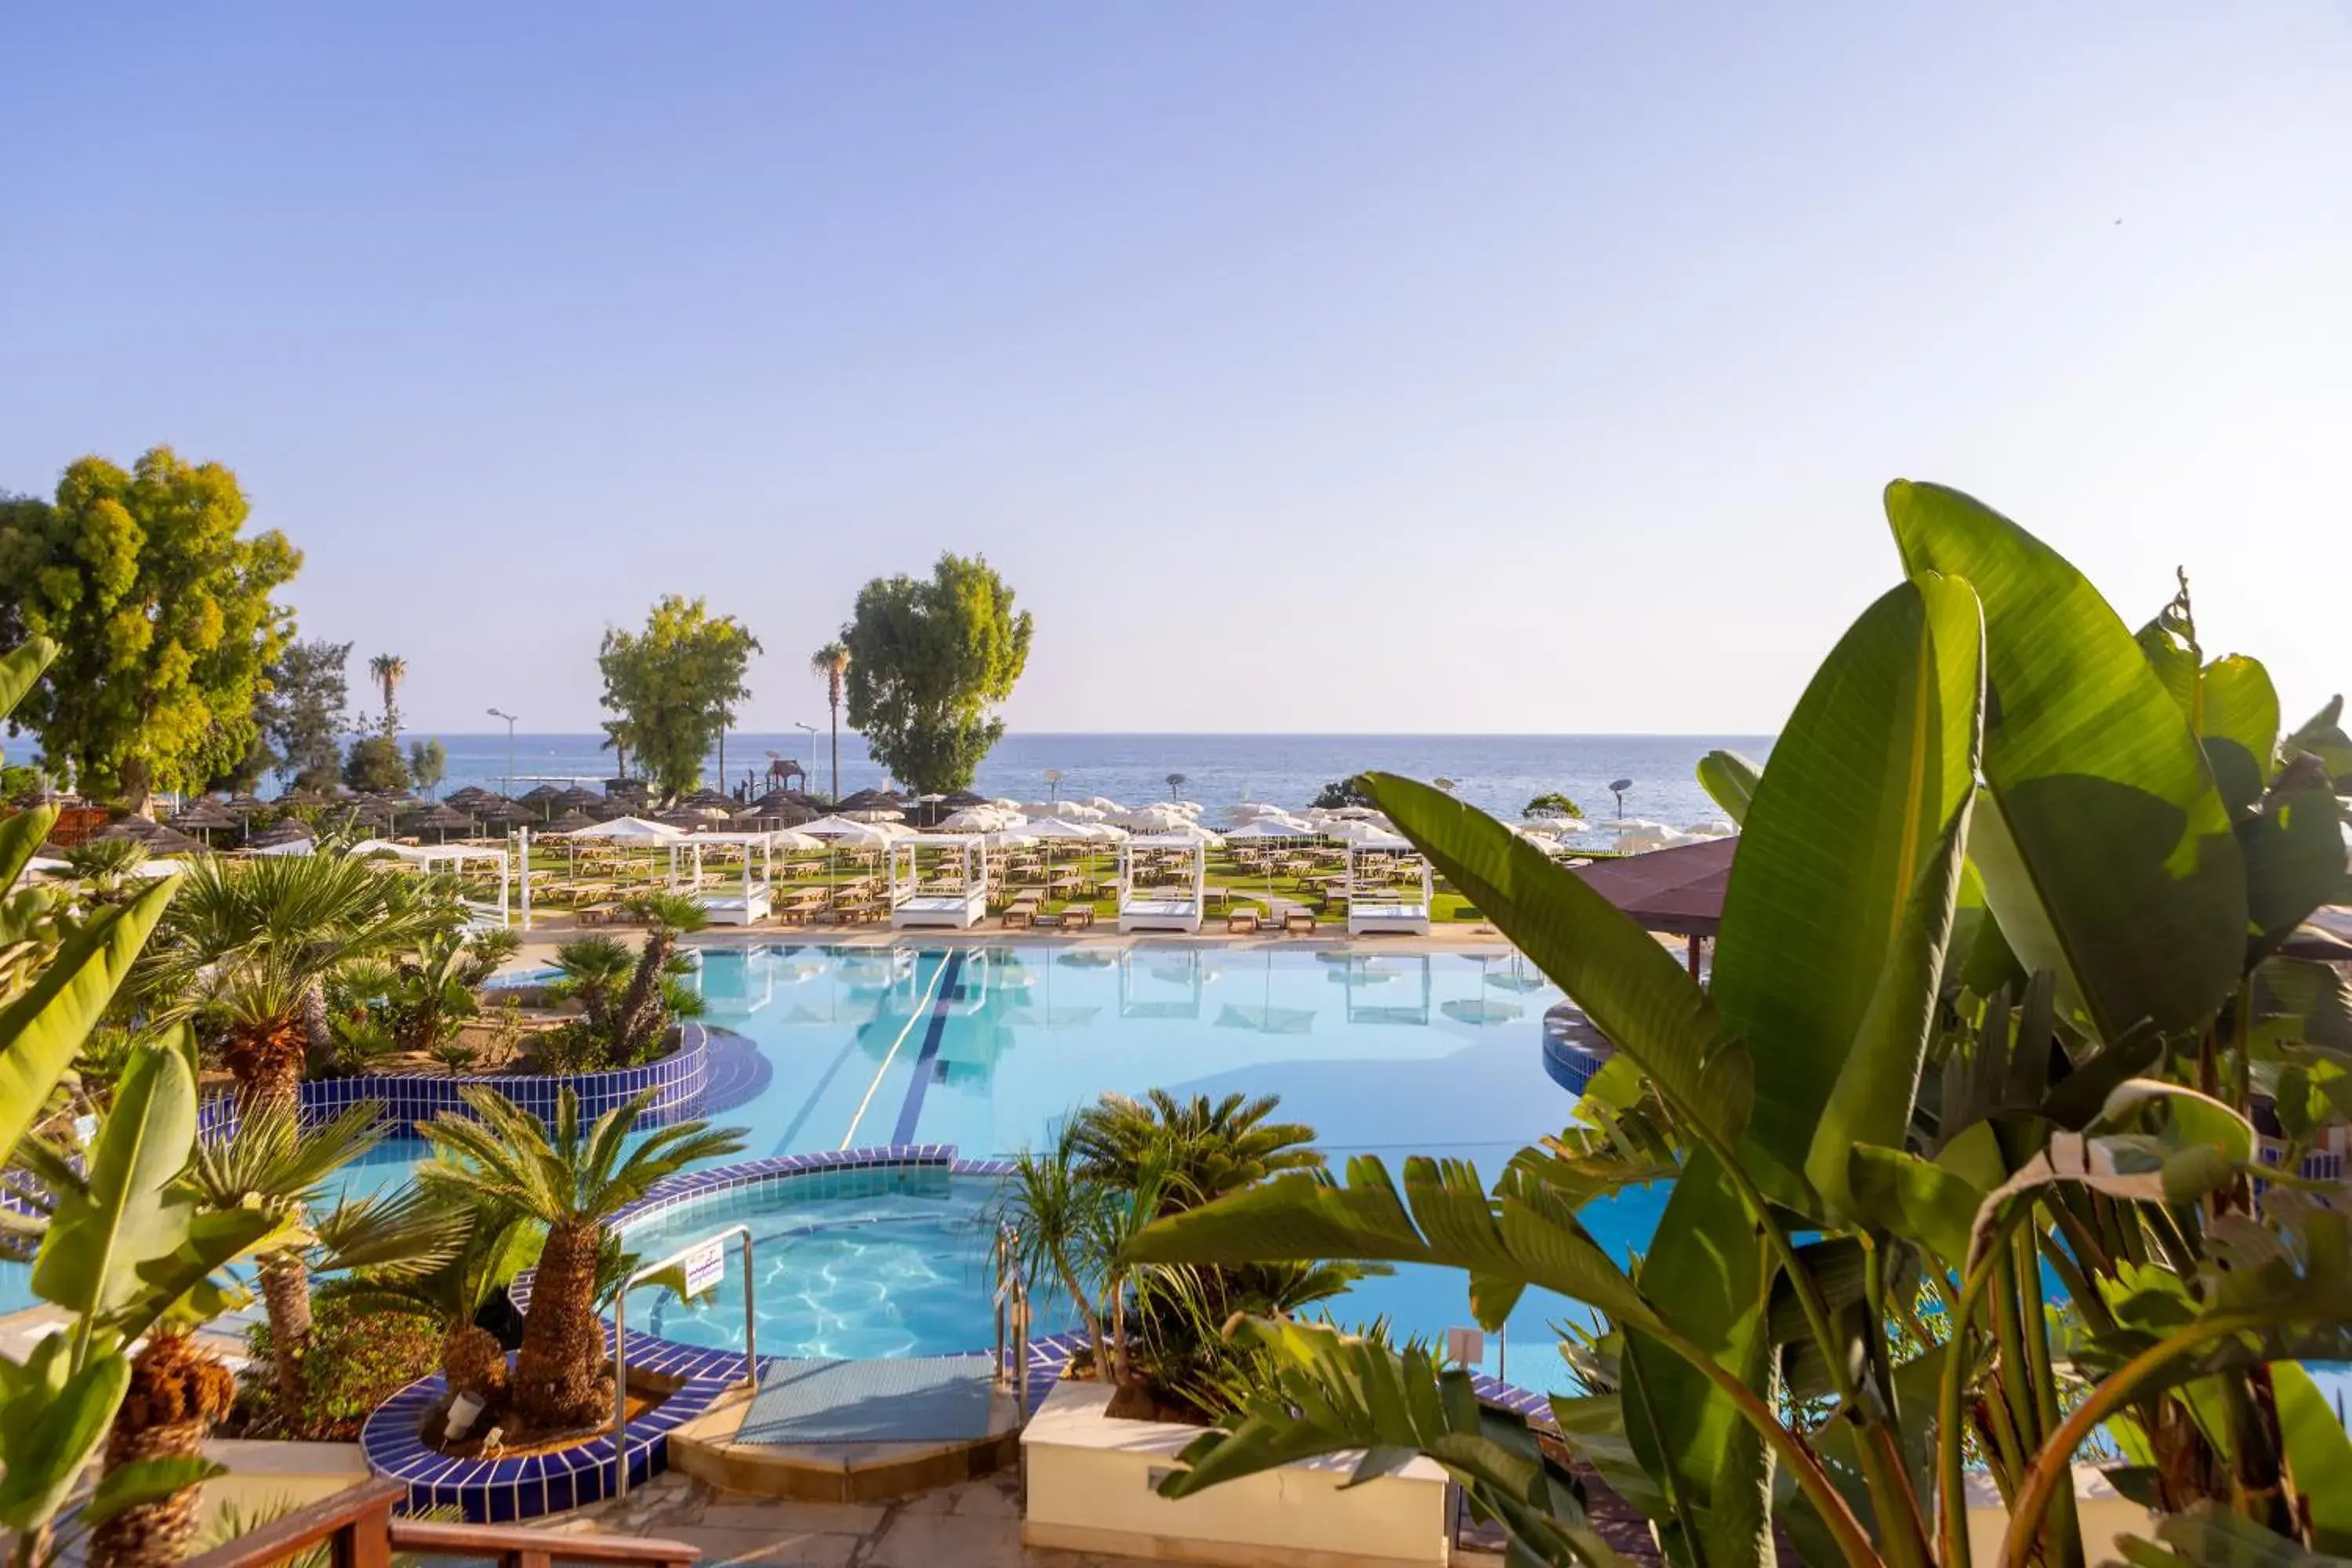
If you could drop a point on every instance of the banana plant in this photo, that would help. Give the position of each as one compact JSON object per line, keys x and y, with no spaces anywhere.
{"x":126,"y":1250}
{"x":1859,"y":1108}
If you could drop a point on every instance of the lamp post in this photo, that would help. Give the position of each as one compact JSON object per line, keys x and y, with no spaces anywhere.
{"x":1618,"y":788}
{"x":1054,"y":782}
{"x":509,"y":718}
{"x":810,"y":730}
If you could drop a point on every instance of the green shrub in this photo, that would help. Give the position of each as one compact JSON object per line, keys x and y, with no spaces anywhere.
{"x":355,"y":1361}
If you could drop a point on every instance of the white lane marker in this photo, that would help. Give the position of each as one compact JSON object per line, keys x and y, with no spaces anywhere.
{"x":922,"y":1010}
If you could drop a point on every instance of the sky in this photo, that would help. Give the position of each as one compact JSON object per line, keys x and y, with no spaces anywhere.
{"x":1345,"y":367}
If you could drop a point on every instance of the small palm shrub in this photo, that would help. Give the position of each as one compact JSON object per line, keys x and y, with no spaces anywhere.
{"x":568,"y":1178}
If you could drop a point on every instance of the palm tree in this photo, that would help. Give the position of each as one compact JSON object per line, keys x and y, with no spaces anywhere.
{"x":620,"y":736}
{"x":1200,"y":1150}
{"x":570,"y":1179}
{"x":179,"y":1390}
{"x":270,"y":1163}
{"x":246,"y":950}
{"x":106,"y":870}
{"x":389,"y":669}
{"x":832,"y":662}
{"x":494,"y":1245}
{"x":648,"y":1004}
{"x":1059,"y":1211}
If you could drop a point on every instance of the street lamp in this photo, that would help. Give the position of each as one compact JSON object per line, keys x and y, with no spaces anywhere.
{"x":1054,"y":782}
{"x":509,"y":718}
{"x":1618,"y":788}
{"x":809,"y":773}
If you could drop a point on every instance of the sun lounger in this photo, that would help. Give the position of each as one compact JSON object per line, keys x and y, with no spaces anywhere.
{"x":1021,"y":912}
{"x":1241,"y":921}
{"x":1297,"y":922}
{"x":598,"y":914}
{"x":1078,"y":917}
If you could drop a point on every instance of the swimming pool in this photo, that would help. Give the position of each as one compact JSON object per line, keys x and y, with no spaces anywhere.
{"x":1380,"y":1051}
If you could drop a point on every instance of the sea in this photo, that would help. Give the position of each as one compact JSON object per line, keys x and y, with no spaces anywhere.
{"x":1500,"y":773}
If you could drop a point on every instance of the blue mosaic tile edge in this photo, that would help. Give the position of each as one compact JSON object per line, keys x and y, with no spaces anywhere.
{"x":677,"y":1080}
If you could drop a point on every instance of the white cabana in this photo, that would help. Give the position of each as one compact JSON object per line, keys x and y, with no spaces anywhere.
{"x":430,"y":859}
{"x":842,"y":832}
{"x":1152,"y":819}
{"x":1105,"y":804}
{"x":756,"y":901}
{"x":1276,"y":824}
{"x":630,"y":830}
{"x":1383,"y":905}
{"x":953,"y":893}
{"x":1163,"y":906}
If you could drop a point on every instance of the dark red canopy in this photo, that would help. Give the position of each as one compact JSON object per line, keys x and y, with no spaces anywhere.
{"x":1677,"y":891}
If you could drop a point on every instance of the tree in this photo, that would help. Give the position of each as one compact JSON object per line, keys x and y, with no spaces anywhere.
{"x":374,"y":765}
{"x":428,"y":761}
{"x":1551,"y":802}
{"x":270,"y":1163}
{"x":247,"y":948}
{"x":570,"y":1179}
{"x":494,"y":1243}
{"x":162,"y":610}
{"x":388,"y":671}
{"x":1341,"y":793}
{"x":301,"y":712}
{"x":832,"y":662}
{"x":929,"y":660}
{"x":619,"y":737}
{"x":677,"y":684}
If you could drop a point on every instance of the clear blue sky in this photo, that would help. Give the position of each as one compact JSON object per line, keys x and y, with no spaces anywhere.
{"x":1305,"y":366}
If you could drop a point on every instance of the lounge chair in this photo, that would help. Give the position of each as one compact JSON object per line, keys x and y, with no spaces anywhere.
{"x":1241,"y":921}
{"x":1020,"y":913}
{"x":1297,"y":922}
{"x":1078,"y":917}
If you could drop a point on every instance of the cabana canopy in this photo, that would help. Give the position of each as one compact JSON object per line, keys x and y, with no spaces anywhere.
{"x":1678,"y":890}
{"x":630,"y":830}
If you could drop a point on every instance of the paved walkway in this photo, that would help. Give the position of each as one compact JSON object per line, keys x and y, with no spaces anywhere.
{"x":976,"y":1524}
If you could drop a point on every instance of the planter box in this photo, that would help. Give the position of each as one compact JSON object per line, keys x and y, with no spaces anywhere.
{"x":1091,"y":1484}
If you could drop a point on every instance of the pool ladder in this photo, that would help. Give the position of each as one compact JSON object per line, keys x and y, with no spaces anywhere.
{"x":1012,"y":1303}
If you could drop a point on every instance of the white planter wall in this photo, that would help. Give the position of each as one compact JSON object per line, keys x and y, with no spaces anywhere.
{"x":1092,"y":1480}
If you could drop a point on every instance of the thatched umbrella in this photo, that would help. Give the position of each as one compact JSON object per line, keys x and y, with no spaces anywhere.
{"x":292,"y":830}
{"x":870,"y":800}
{"x":499,"y":813}
{"x":245,"y":802}
{"x":578,"y":798}
{"x":306,"y":797}
{"x":157,"y":839}
{"x":204,"y":817}
{"x":470,"y":796}
{"x":542,"y":799}
{"x":440,"y":820}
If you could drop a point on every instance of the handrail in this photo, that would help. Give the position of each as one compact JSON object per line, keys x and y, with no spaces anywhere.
{"x":357,"y":1528}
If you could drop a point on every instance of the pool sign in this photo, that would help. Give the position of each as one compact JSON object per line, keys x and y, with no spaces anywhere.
{"x":706,"y":1264}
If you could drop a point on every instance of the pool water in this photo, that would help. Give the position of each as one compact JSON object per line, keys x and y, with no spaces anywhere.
{"x":1380,"y":1051}
{"x":903,"y":1271}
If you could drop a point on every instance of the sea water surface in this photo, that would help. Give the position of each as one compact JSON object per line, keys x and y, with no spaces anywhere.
{"x":1499,"y":772}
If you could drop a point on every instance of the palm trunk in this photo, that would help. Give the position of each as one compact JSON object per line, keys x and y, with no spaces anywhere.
{"x":836,"y":751}
{"x":558,"y":1382}
{"x":266,"y":1059}
{"x":641,"y":1006}
{"x":285,"y":1293}
{"x":472,"y":1361}
{"x":317,"y":1025}
{"x":178,"y":1390}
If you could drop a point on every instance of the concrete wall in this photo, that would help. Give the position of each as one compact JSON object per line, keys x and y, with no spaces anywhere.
{"x":1091,"y":1488}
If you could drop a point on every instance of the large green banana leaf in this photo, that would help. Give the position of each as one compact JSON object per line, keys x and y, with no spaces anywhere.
{"x":1526,"y":1234}
{"x":1840,"y":897}
{"x":129,"y":1214}
{"x":2108,"y":857}
{"x":41,"y":1031}
{"x":21,"y":837}
{"x":2294,"y":850}
{"x":2237,"y":719}
{"x":1709,"y":1275}
{"x":1632,"y":988}
{"x":2322,"y":735}
{"x":1335,"y":1394}
{"x":19,"y":668}
{"x":1729,"y":780}
{"x":52,"y":1420}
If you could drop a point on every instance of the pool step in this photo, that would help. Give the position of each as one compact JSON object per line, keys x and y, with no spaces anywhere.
{"x":708,"y":1449}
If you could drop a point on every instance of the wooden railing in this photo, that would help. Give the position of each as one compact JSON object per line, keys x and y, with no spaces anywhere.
{"x":359,"y":1530}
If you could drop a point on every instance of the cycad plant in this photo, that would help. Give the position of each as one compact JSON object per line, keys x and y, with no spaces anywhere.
{"x":248,"y":948}
{"x":270,"y":1164}
{"x":1997,"y":987}
{"x":571,"y":1179}
{"x":495,"y":1243}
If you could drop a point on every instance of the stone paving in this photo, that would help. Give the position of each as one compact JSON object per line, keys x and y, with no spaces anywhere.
{"x":975,"y":1524}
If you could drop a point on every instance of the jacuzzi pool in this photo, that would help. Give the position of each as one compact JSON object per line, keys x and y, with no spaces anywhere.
{"x":891,"y":1261}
